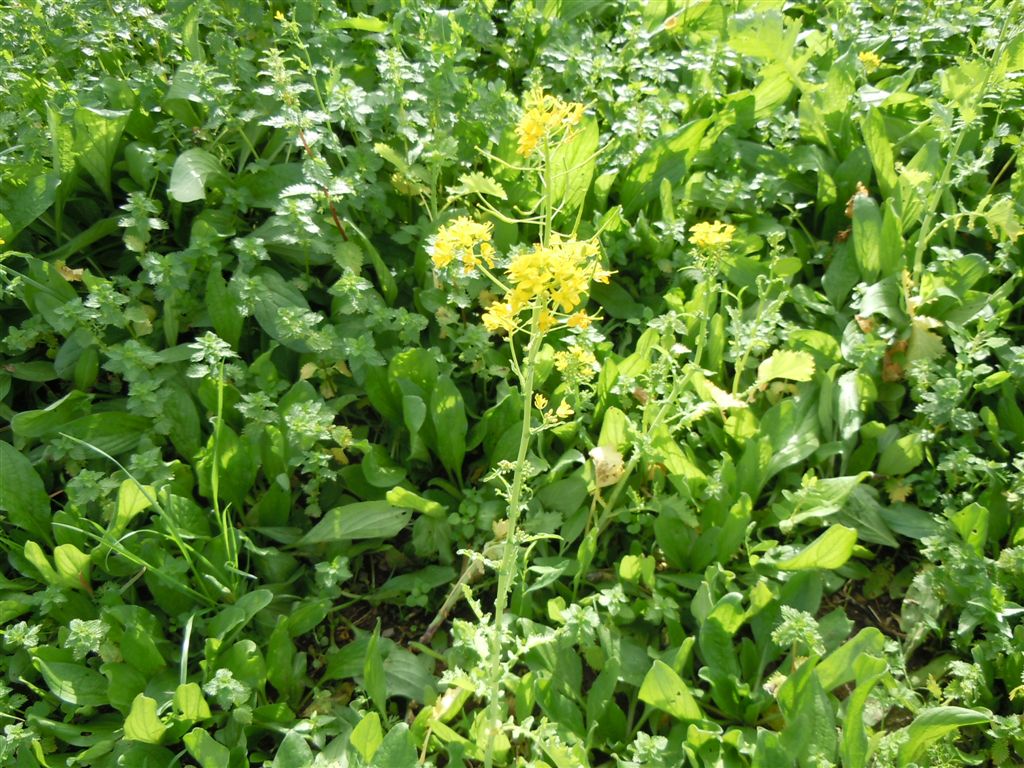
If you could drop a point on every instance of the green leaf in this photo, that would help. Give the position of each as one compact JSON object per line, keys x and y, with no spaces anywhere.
{"x":880,"y":150}
{"x":70,"y":682}
{"x":112,"y":432}
{"x":853,"y":749}
{"x":867,"y":237}
{"x":361,"y":23}
{"x":362,"y":520}
{"x":224,"y":313}
{"x":838,"y":667}
{"x":901,"y":456}
{"x":143,"y":724}
{"x":294,"y":752}
{"x":572,"y":167}
{"x":934,"y":723}
{"x":239,"y":614}
{"x":450,"y":424}
{"x":374,"y":680}
{"x":22,"y":494}
{"x":397,"y":750}
{"x":26,"y":193}
{"x":667,"y":158}
{"x":367,"y":736}
{"x":208,"y":752}
{"x":50,"y":420}
{"x":97,"y":135}
{"x":829,"y":551}
{"x":785,"y":364}
{"x":664,"y":689}
{"x":132,"y":499}
{"x":479,"y":184}
{"x":192,"y":169}
{"x":189,"y":702}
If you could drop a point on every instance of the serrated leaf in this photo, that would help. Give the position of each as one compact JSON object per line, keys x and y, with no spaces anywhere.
{"x":478,"y":183}
{"x":829,"y":551}
{"x":785,"y":364}
{"x":923,"y":344}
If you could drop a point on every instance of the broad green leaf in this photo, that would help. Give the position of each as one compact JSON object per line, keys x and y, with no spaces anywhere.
{"x":901,"y":456}
{"x":397,"y":750}
{"x":26,"y":193}
{"x":450,"y":424}
{"x":143,"y":724}
{"x":877,"y":142}
{"x":362,"y":520}
{"x":277,"y":299}
{"x":132,"y":499}
{"x":97,"y":135}
{"x":829,"y":551}
{"x":923,"y":344}
{"x":838,"y":667}
{"x":785,"y":364}
{"x":666,"y":158}
{"x":294,"y":752}
{"x":50,"y":420}
{"x":189,"y":702}
{"x":361,"y":23}
{"x":367,"y":736}
{"x":374,"y":680}
{"x":71,"y":682}
{"x":72,"y":566}
{"x":239,"y":614}
{"x":664,"y":689}
{"x":934,"y":723}
{"x":890,"y":243}
{"x":810,"y":731}
{"x":572,"y":167}
{"x":971,"y":523}
{"x":22,"y":494}
{"x":867,"y":237}
{"x":853,"y":748}
{"x":192,"y":169}
{"x":224,"y":313}
{"x":205,"y":750}
{"x":113,"y":432}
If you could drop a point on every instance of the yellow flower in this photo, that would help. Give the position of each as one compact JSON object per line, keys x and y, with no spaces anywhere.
{"x":564,"y":410}
{"x":501,"y":316}
{"x":713,"y":234}
{"x":870,"y":60}
{"x":466,"y":241}
{"x":558,"y":273}
{"x":578,"y":320}
{"x":545,"y":117}
{"x":540,"y":402}
{"x":279,"y":16}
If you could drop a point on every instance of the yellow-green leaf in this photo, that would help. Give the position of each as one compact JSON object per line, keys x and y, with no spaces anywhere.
{"x":829,"y":551}
{"x":786,"y":364}
{"x":143,"y":724}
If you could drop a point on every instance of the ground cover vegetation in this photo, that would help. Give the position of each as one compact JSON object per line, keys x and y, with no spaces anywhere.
{"x":541,"y":383}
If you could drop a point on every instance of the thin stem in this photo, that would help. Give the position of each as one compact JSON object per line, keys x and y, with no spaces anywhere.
{"x":507,"y":569}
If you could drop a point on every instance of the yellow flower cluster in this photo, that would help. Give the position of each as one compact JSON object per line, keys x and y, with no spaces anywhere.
{"x":465,"y":241}
{"x":870,"y":60}
{"x":712,"y":234}
{"x":576,"y":363}
{"x":556,"y":276}
{"x":545,"y":116}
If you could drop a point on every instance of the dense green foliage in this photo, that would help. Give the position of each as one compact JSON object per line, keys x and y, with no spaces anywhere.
{"x":251,"y":439}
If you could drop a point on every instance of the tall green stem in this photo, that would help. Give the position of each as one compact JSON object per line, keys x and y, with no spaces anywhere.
{"x":507,"y":568}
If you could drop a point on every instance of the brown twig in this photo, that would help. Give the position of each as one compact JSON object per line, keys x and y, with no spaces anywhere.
{"x":327,"y":193}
